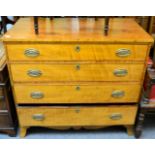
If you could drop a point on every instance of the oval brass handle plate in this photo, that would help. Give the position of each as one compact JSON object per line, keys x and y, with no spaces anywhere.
{"x":34,"y":73}
{"x":118,"y":93}
{"x":77,"y":67}
{"x":38,"y":117}
{"x":31,"y":52}
{"x":120,"y":72}
{"x":37,"y":95}
{"x":116,"y":116}
{"x":123,"y":52}
{"x":77,"y":49}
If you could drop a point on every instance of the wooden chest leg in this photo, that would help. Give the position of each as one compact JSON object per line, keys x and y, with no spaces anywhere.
{"x":12,"y":133}
{"x":139,"y":124}
{"x":23,"y":131}
{"x":129,"y":129}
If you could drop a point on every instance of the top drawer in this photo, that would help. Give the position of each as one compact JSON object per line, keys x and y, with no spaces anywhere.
{"x":59,"y":52}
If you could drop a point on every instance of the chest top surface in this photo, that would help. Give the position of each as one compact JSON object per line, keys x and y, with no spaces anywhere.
{"x":77,"y":30}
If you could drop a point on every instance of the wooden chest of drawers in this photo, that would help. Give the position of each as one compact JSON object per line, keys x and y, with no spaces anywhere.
{"x":71,"y":75}
{"x":8,"y":119}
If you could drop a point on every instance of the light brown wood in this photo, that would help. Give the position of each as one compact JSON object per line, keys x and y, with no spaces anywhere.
{"x":69,"y":72}
{"x":68,"y":52}
{"x":130,"y":130}
{"x":77,"y":93}
{"x":23,"y":131}
{"x":78,"y":30}
{"x":77,"y":116}
{"x":76,"y":76}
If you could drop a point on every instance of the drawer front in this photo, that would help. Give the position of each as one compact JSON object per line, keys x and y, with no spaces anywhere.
{"x":2,"y":100}
{"x":77,"y":116}
{"x":55,"y":52}
{"x":5,"y":122}
{"x":76,"y":72}
{"x":99,"y":93}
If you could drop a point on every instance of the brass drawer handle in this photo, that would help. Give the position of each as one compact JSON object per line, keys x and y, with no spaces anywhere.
{"x":120,"y":72}
{"x":34,"y":73}
{"x":37,"y":95}
{"x":38,"y":117}
{"x":31,"y":52}
{"x":77,"y":67}
{"x":77,"y":48}
{"x":123,"y":52}
{"x":116,"y":116}
{"x":118,"y":94}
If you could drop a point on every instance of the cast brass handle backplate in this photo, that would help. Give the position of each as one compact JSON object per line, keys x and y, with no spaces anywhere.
{"x":38,"y":117}
{"x":31,"y":52}
{"x":34,"y":73}
{"x":116,"y":116}
{"x":118,"y":94}
{"x":123,"y":52}
{"x":37,"y":95}
{"x":120,"y":72}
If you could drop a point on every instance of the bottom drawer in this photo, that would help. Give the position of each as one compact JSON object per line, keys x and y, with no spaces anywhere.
{"x":77,"y":116}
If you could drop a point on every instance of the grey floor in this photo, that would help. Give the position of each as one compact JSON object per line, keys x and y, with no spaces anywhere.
{"x":106,"y":133}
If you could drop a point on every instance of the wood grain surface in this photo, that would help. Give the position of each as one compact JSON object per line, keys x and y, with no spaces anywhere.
{"x":79,"y":93}
{"x":78,"y":30}
{"x":70,"y":52}
{"x":77,"y":116}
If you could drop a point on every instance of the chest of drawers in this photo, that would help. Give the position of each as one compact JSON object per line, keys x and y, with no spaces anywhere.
{"x":71,"y":75}
{"x":8,"y":119}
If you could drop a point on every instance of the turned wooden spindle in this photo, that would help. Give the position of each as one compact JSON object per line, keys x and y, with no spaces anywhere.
{"x":36,"y":26}
{"x":4,"y":23}
{"x":106,"y":26}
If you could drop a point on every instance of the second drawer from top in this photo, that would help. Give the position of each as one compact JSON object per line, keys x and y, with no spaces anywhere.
{"x":67,"y":72}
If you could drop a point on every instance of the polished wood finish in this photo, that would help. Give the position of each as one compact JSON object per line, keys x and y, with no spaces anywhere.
{"x":78,"y":30}
{"x":69,"y":52}
{"x":130,"y":130}
{"x":71,"y":62}
{"x":36,"y":24}
{"x":77,"y":93}
{"x":76,"y":72}
{"x":8,"y":119}
{"x":76,"y":116}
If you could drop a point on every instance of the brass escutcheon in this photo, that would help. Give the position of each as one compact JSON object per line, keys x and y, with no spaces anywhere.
{"x":78,"y":88}
{"x":77,"y":48}
{"x":77,"y":66}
